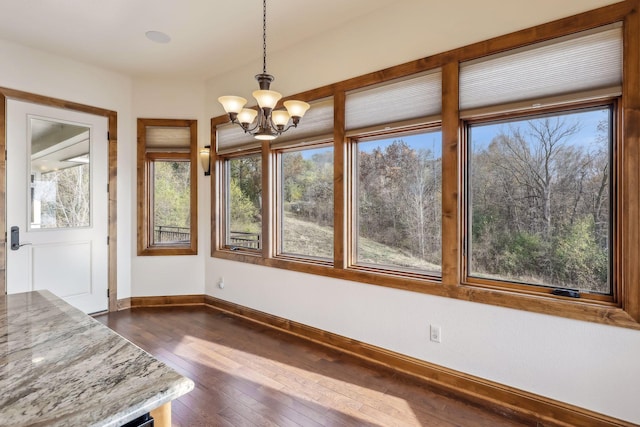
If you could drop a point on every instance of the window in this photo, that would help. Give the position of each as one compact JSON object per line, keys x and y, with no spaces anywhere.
{"x":539,"y":214}
{"x":539,"y":200}
{"x":398,"y":197}
{"x":503,"y":172}
{"x":167,"y":192}
{"x":244,"y":202}
{"x":306,"y":208}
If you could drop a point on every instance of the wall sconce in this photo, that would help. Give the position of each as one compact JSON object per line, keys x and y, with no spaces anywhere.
{"x":205,"y":159}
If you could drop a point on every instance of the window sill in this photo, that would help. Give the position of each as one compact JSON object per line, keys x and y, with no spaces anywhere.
{"x":167,"y":251}
{"x":578,"y":309}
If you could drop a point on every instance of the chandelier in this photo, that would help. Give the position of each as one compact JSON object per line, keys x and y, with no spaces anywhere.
{"x":269,"y":123}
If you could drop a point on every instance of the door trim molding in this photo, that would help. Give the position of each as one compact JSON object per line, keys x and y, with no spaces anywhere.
{"x":112,"y":117}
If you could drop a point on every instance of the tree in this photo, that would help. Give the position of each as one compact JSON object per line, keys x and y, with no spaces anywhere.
{"x":399,"y":199}
{"x":65,"y":198}
{"x":245,"y":194}
{"x":539,"y":198}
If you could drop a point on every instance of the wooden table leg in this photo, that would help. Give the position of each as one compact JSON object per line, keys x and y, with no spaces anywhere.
{"x":162,"y":415}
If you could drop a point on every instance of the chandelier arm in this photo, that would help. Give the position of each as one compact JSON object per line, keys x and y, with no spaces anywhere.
{"x":273,"y":126}
{"x":250,"y":131}
{"x":292,"y":125}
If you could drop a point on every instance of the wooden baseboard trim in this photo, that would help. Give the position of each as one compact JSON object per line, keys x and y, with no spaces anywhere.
{"x":496,"y":397}
{"x":164,"y":301}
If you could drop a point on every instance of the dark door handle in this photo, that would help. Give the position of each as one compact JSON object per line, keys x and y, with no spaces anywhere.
{"x":15,"y":238}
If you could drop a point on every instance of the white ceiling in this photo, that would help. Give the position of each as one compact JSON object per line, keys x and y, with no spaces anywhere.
{"x":213,"y":37}
{"x":208,"y":37}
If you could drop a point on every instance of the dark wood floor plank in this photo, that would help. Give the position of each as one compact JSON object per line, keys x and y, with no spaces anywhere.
{"x":251,"y":375}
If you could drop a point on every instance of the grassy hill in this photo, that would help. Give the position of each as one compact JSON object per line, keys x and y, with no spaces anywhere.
{"x":306,"y":238}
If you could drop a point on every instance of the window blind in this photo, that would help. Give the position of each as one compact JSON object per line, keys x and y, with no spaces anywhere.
{"x":317,"y":123}
{"x":167,"y":138}
{"x":230,"y":137}
{"x":582,"y":62}
{"x":396,"y":101}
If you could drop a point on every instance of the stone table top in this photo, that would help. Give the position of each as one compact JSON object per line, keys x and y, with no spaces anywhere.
{"x":61,"y":367}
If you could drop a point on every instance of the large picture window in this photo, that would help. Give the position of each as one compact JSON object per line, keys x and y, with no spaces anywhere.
{"x":398,"y":188}
{"x":539,"y":200}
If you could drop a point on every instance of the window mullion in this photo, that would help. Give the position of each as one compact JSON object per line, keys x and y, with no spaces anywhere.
{"x":341,"y":222}
{"x":267,"y":201}
{"x":451,"y":215}
{"x":629,"y":201}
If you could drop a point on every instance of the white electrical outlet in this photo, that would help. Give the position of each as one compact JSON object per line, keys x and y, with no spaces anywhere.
{"x":221,"y":283}
{"x":435,"y":333}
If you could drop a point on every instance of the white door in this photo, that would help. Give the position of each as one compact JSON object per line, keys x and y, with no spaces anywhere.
{"x":57,"y":204}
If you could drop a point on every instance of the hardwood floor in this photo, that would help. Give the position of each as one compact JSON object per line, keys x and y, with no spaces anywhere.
{"x":250,"y":375}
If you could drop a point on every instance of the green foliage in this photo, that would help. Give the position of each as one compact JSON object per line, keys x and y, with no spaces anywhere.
{"x":308,"y":196}
{"x":243,"y":212}
{"x":245,"y":194}
{"x":579,"y":259}
{"x":308,"y":185}
{"x":399,"y":198}
{"x":172,"y":193}
{"x":540,"y":206}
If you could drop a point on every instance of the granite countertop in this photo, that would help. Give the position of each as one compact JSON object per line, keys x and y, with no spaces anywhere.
{"x":60,"y":367}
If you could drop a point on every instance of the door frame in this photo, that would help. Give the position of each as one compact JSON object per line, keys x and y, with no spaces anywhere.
{"x":112,"y":126}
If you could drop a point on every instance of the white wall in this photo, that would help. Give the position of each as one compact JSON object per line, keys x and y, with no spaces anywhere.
{"x":37,"y":72}
{"x":171,"y":275}
{"x":586,"y":364}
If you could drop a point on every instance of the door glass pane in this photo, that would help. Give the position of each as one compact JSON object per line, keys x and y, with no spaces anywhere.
{"x":60,"y":171}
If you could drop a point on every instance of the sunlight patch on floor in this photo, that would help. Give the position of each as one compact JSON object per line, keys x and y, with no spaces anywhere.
{"x":305,"y":384}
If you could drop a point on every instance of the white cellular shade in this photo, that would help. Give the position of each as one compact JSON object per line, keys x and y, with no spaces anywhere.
{"x":582,"y":62}
{"x":165,"y":138}
{"x":316,"y":123}
{"x":395,"y":101}
{"x":231,"y":137}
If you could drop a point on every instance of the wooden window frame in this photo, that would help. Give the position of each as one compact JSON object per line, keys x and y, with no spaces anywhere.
{"x":352,"y":206}
{"x":623,"y":312}
{"x":222,"y":161}
{"x":615,"y":202}
{"x":279,"y":198}
{"x":145,"y":160}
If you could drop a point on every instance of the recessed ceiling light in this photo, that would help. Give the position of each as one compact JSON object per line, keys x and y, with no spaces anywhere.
{"x":158,"y":37}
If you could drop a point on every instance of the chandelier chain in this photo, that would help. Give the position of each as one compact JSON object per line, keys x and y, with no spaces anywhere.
{"x":264,"y":36}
